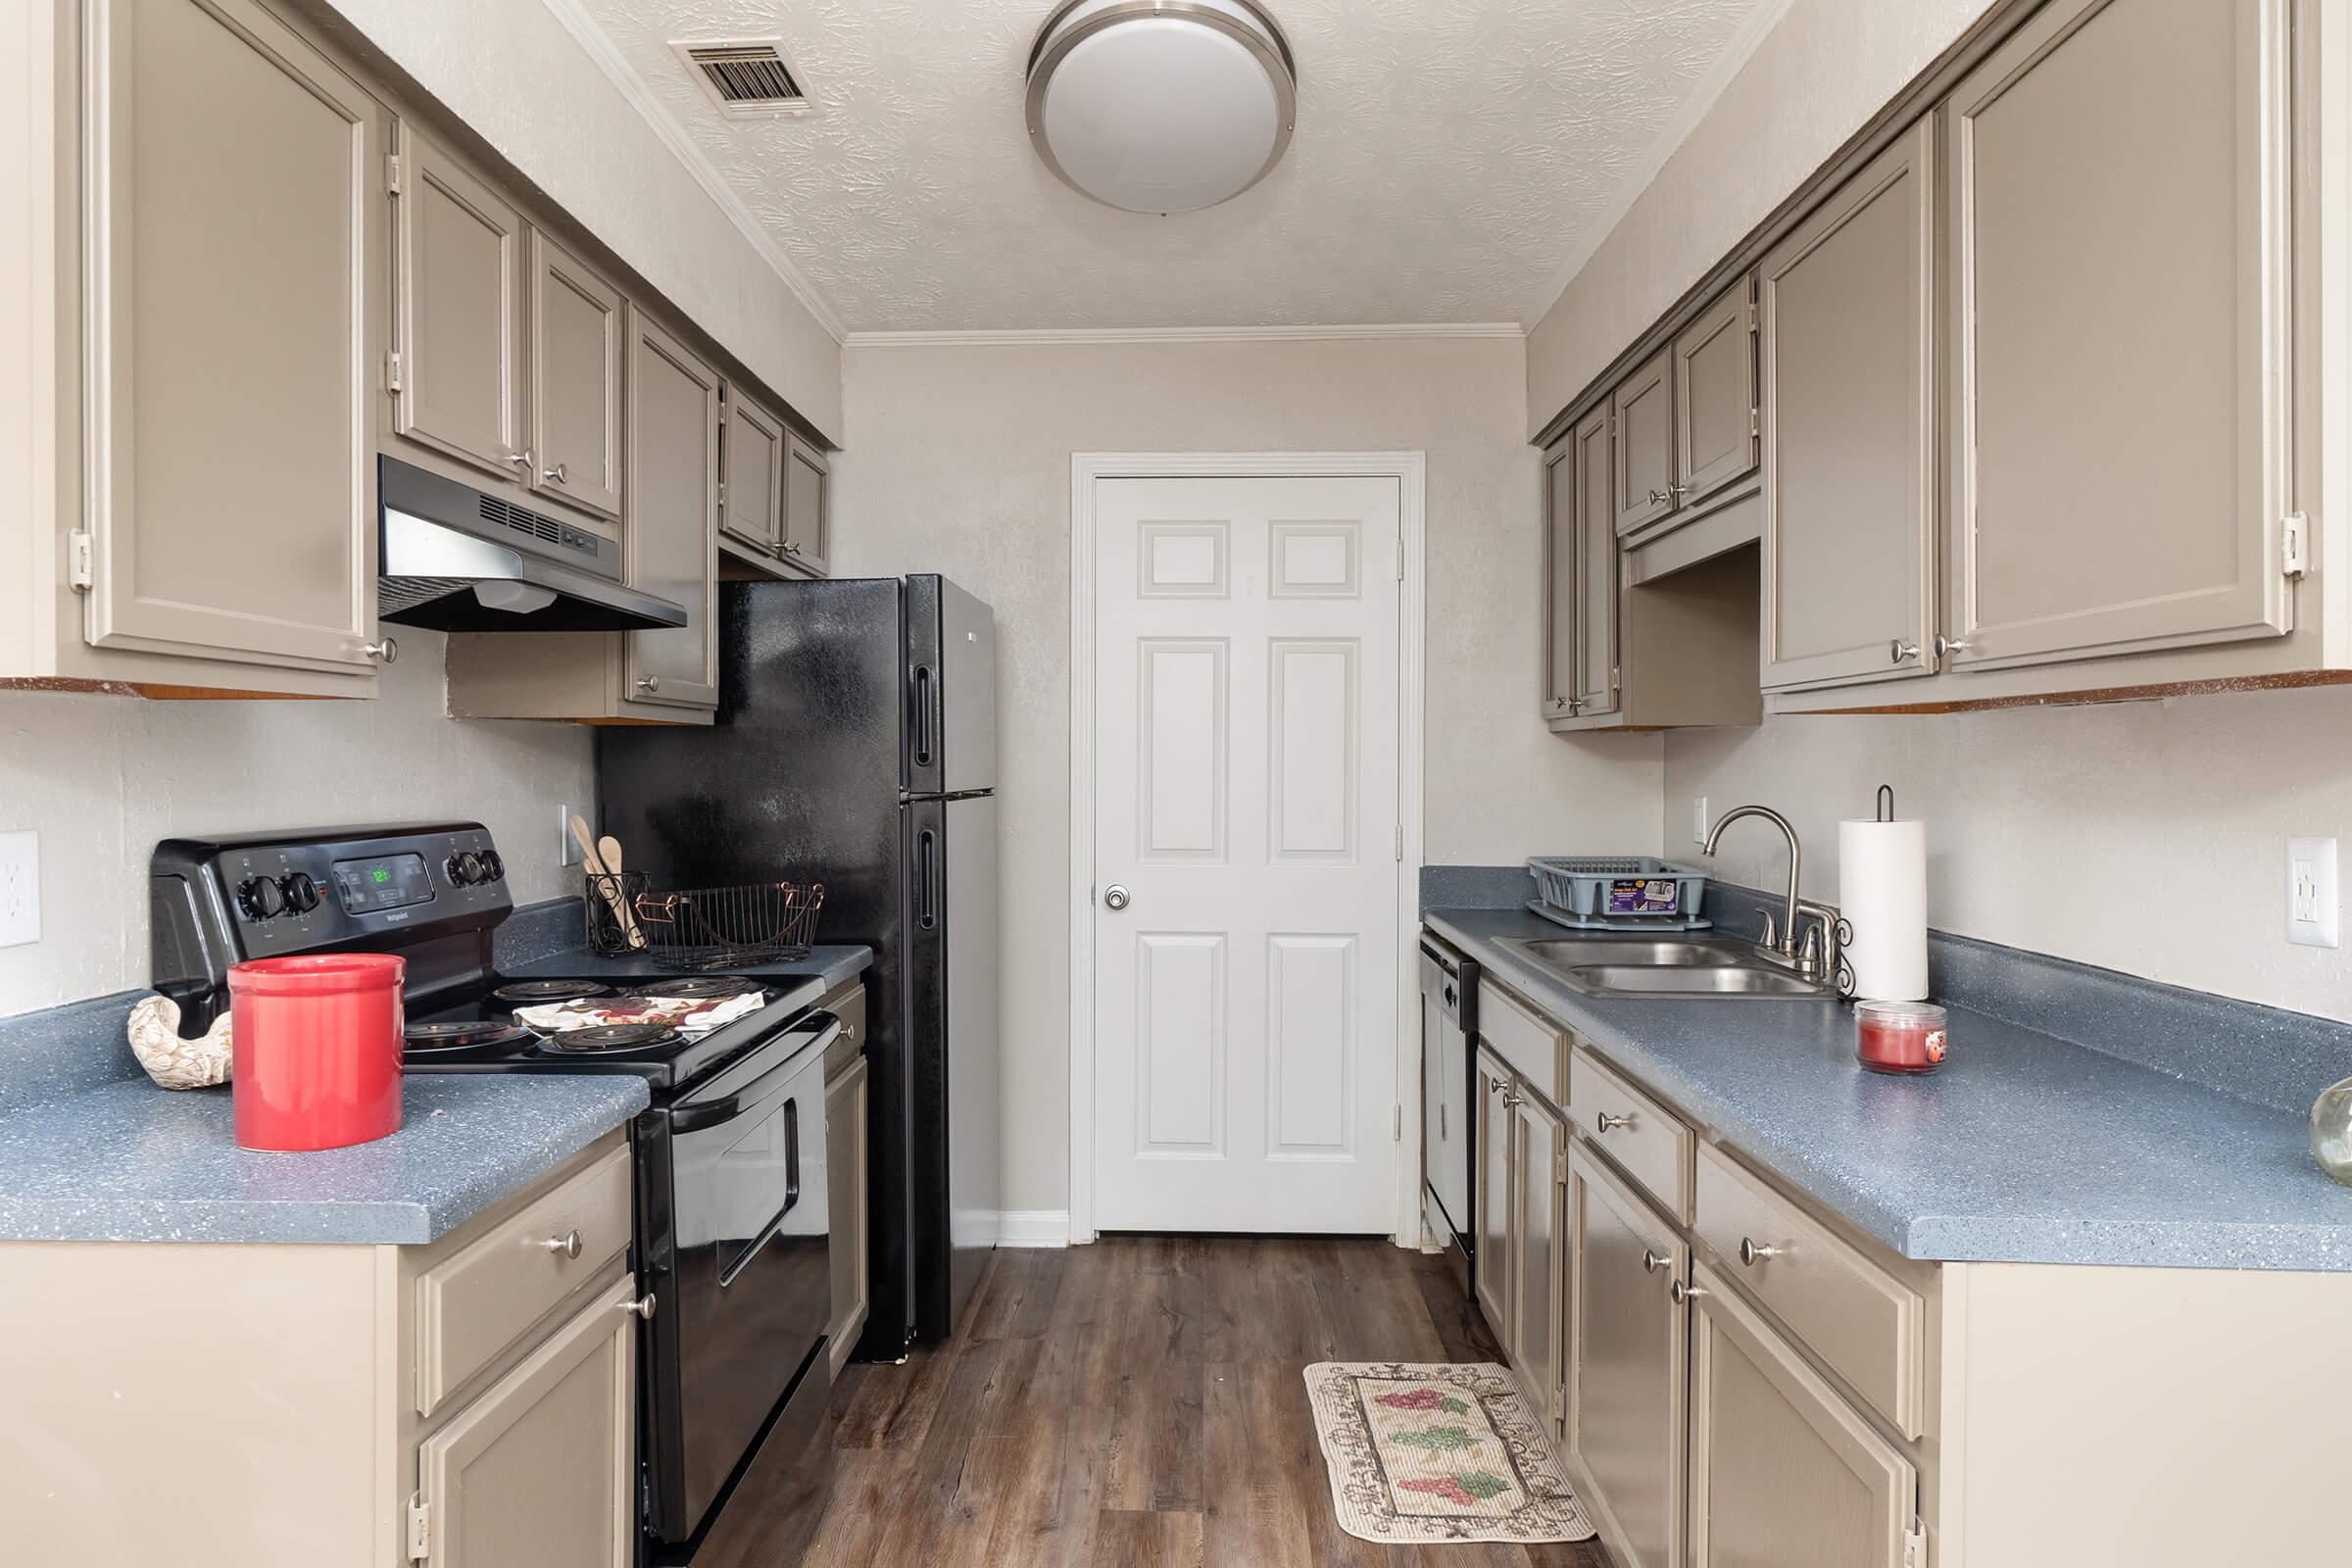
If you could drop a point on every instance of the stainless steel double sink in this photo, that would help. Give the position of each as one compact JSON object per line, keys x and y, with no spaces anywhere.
{"x":1708,"y":966}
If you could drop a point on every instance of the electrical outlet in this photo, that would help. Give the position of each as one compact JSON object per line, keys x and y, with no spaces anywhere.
{"x":2314,"y":909}
{"x":571,"y":845}
{"x":19,"y":888}
{"x":1699,"y":820}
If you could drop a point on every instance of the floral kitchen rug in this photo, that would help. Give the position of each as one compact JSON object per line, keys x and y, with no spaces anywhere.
{"x":1421,"y":1451}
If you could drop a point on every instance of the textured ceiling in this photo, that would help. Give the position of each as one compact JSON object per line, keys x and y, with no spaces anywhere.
{"x":1452,"y":158}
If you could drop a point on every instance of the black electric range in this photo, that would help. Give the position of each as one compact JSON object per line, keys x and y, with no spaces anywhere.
{"x":732,"y":1240}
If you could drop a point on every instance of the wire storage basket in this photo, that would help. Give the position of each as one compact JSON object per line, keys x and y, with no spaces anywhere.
{"x":700,"y":929}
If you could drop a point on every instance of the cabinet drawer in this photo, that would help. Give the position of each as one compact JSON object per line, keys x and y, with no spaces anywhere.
{"x":474,"y":1304}
{"x":1861,"y":1322}
{"x":1637,"y":1132}
{"x":1529,"y":1042}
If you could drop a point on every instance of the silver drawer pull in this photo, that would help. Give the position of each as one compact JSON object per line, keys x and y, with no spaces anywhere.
{"x":1651,"y":1262}
{"x":642,"y":1307}
{"x":1610,"y":1124}
{"x":1751,"y":1254}
{"x":1682,"y":1295}
{"x":567,"y":1245}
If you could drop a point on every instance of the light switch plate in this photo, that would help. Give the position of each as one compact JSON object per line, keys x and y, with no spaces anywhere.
{"x":1699,"y":819}
{"x":19,"y":888}
{"x":571,"y":846}
{"x":2314,"y":904}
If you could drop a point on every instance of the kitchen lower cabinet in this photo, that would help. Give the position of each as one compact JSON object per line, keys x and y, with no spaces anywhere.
{"x":1781,"y":1468}
{"x":852,"y":1216}
{"x":1539,"y":1253}
{"x":1626,"y":1365}
{"x":1490,"y":1270}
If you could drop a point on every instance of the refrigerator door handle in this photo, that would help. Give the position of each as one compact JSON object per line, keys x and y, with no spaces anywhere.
{"x":926,"y":714}
{"x":926,"y":879}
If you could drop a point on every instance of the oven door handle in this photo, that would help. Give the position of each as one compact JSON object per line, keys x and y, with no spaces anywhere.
{"x":792,"y":1198}
{"x":694,"y":1115}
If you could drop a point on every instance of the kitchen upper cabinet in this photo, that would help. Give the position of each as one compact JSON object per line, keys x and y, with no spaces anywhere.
{"x":750,"y":507}
{"x":807,"y":506}
{"x":673,"y":519}
{"x":1643,"y":416}
{"x":1626,"y":1365}
{"x":579,"y":333}
{"x":1539,"y":1253}
{"x":1849,"y":426}
{"x":2121,"y":246}
{"x":1715,"y":435}
{"x":1563,"y":600}
{"x":1491,"y":1268}
{"x":1778,"y":1457}
{"x":460,"y":380}
{"x":1581,"y":578}
{"x":234,"y":284}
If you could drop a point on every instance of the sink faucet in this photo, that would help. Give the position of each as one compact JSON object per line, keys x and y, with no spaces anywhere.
{"x":1784,"y":942}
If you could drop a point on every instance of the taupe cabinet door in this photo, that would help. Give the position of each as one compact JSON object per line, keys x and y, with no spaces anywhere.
{"x":2120,"y":262}
{"x":461,"y":312}
{"x":1595,"y":691}
{"x":1849,"y":426}
{"x":1539,"y":1253}
{"x":807,"y":506}
{"x":1627,"y":1340}
{"x":1562,"y":601}
{"x":849,"y":1214}
{"x":1492,"y":1267}
{"x":1644,"y":422}
{"x":234,"y":275}
{"x":540,"y":1472}
{"x":1776,"y":1456}
{"x":579,"y":330}
{"x":672,"y":535}
{"x":1715,"y":397}
{"x":752,"y":502}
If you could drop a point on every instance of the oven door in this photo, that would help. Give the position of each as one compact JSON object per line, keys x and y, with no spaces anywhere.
{"x":734,"y":1234}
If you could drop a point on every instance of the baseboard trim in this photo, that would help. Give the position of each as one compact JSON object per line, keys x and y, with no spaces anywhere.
{"x":1035,"y":1227}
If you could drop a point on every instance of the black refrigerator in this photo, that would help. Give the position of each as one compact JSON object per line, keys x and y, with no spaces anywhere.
{"x":855,"y":745}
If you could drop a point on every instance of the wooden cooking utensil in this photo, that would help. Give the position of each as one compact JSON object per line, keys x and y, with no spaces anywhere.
{"x":609,"y":847}
{"x":594,"y":859}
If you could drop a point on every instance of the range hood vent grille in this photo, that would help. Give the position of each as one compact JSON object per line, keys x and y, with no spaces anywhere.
{"x":745,"y":76}
{"x":504,"y":514}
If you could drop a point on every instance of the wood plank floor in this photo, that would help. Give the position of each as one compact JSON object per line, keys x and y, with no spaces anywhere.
{"x":1139,"y":1402}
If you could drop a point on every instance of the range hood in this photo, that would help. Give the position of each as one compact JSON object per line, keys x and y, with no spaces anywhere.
{"x":455,"y":559}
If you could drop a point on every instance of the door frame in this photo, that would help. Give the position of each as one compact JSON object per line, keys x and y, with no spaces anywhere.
{"x":1410,"y":471}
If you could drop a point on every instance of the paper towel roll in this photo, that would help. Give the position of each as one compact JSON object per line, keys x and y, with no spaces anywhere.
{"x":1883,"y":893}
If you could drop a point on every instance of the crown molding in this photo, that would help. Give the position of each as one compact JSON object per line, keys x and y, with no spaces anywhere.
{"x":1034,"y":336}
{"x":623,"y":76}
{"x":1703,"y":97}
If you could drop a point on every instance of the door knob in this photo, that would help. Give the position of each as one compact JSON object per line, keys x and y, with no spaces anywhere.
{"x":1115,"y":897}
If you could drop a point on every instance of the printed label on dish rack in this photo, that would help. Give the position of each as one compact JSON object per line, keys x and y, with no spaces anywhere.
{"x":1645,"y":896}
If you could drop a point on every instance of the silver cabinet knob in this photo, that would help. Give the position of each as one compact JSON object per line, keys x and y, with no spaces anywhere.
{"x":1658,"y":498}
{"x":386,"y":652}
{"x":649,"y":683}
{"x":1116,"y":897}
{"x":1513,"y":1097}
{"x":1945,"y":647}
{"x":643,"y":1307}
{"x":790,"y":549}
{"x":1651,"y":1262}
{"x":1610,"y":1124}
{"x":1751,"y":1254}
{"x":1682,"y":1295}
{"x":569,"y":1243}
{"x":559,"y":474}
{"x":1898,"y":650}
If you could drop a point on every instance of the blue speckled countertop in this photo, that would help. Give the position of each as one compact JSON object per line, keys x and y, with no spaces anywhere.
{"x":127,"y":1161}
{"x":2023,"y":1147}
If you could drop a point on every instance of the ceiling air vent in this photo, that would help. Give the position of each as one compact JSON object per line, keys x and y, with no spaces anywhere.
{"x":744,"y":76}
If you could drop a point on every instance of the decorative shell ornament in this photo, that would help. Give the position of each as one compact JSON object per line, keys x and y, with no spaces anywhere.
{"x":171,"y":1061}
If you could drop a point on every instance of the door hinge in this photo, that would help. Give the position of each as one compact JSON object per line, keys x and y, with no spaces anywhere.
{"x":1398,"y":1136}
{"x":1559,"y":1165}
{"x":392,"y":173}
{"x":1400,"y":560}
{"x":1915,"y":1543}
{"x":82,"y":561}
{"x":1751,"y":315}
{"x":1755,"y":422}
{"x":2296,"y":528}
{"x":421,"y":1528}
{"x":722,"y":494}
{"x":392,"y":369}
{"x":1401,"y":841}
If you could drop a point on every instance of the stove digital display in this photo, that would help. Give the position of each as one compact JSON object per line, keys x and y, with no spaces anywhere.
{"x":392,"y":882}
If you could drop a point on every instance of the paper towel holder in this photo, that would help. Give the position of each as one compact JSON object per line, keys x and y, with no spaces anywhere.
{"x":1884,"y":810}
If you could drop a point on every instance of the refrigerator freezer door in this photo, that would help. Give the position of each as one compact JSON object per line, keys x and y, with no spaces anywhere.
{"x":951,"y":690}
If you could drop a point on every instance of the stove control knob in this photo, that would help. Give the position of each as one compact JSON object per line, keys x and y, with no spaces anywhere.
{"x":465,"y":869}
{"x":302,"y":893}
{"x":260,"y":897}
{"x":494,"y":869}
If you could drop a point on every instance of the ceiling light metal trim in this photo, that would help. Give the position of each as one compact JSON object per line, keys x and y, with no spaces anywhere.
{"x":1048,"y":52}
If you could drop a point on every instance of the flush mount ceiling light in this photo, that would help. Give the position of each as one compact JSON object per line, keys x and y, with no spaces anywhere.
{"x":1161,"y":106}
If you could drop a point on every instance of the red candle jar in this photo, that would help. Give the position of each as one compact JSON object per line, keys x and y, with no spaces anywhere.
{"x":316,"y":1050}
{"x":1907,"y":1036}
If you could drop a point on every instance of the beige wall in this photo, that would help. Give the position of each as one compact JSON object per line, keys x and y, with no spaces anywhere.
{"x":1813,"y":81}
{"x":103,"y":778}
{"x":960,"y":461}
{"x":2146,"y":837}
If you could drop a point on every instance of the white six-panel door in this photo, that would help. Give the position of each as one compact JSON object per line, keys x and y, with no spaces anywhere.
{"x":1246,"y":803}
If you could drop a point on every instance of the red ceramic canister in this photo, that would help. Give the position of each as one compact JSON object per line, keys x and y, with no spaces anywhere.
{"x":317,"y":1044}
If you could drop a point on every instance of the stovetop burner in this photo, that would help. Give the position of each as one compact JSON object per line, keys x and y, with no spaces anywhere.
{"x":599,"y":1039}
{"x":699,"y":986}
{"x":458,"y":1033}
{"x":527,"y":992}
